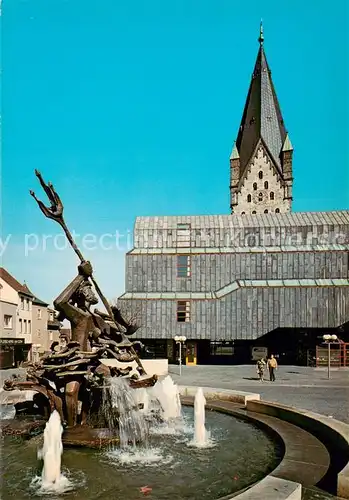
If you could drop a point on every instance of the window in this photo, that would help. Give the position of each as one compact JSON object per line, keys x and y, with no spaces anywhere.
{"x":183,"y":266}
{"x":266,"y":185}
{"x":242,"y":213}
{"x":271,"y":195}
{"x":7,"y":321}
{"x":25,"y":327}
{"x":183,"y":311}
{"x":265,"y":211}
{"x":20,"y":325}
{"x":260,"y":174}
{"x":255,"y":186}
{"x":29,"y":326}
{"x":254,"y":212}
{"x":249,"y":198}
{"x":51,"y":316}
{"x":183,"y":235}
{"x":38,"y":333}
{"x":277,"y":210}
{"x":38,"y":313}
{"x":260,"y":197}
{"x":22,"y":303}
{"x":221,"y":348}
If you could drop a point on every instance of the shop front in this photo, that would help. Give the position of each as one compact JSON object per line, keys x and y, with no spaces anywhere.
{"x":13,"y":352}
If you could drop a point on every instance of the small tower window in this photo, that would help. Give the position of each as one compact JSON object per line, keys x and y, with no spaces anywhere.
{"x":277,"y":210}
{"x":260,"y":197}
{"x":254,"y":212}
{"x":266,"y":185}
{"x":255,"y":186}
{"x":249,"y":198}
{"x":271,"y":195}
{"x":242,"y":213}
{"x":266,"y":211}
{"x":260,"y":174}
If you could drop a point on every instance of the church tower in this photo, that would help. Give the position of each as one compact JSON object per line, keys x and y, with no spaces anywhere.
{"x":261,"y":159}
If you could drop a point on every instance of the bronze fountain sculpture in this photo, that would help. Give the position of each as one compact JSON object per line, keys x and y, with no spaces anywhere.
{"x":71,"y":380}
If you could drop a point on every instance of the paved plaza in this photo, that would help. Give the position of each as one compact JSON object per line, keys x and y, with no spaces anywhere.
{"x":303,"y":387}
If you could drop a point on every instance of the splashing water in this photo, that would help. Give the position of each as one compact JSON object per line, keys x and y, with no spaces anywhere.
{"x":52,"y":449}
{"x":133,"y":427}
{"x":7,"y":412}
{"x":201,"y":436}
{"x":142,"y":398}
{"x":51,"y":453}
{"x":147,"y":457}
{"x":166,"y":392}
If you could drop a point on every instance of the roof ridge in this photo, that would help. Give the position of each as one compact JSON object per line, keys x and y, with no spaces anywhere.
{"x":11,"y":280}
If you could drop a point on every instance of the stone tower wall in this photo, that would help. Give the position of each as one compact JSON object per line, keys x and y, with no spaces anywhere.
{"x":261,"y":163}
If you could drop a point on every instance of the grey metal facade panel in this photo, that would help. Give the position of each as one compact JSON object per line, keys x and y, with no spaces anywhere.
{"x":230,"y":317}
{"x":158,"y":273}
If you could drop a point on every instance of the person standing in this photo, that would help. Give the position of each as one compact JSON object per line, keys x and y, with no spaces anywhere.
{"x":272,"y":366}
{"x":260,"y":369}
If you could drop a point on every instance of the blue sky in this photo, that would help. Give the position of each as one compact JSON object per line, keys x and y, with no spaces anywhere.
{"x":131,"y":108}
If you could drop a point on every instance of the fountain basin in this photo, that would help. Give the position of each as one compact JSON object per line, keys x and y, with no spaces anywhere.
{"x":242,"y":455}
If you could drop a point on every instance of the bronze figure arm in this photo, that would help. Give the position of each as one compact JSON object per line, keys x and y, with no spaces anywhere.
{"x":61,"y":303}
{"x":85,"y":271}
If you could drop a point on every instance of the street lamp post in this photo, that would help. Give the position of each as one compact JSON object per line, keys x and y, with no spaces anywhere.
{"x":179,"y":339}
{"x":329,"y":339}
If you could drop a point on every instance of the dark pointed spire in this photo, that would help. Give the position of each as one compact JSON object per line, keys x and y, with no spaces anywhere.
{"x":262,"y":117}
{"x":261,"y":33}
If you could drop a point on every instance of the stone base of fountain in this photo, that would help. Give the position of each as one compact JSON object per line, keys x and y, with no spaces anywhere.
{"x":89,"y":437}
{"x":26,"y":427}
{"x":23,"y":427}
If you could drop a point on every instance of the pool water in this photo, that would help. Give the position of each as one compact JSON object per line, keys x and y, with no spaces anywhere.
{"x":239,"y":455}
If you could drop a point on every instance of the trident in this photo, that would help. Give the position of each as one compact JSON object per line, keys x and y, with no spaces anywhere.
{"x":55,"y":212}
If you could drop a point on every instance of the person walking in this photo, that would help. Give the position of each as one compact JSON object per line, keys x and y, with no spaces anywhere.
{"x":260,"y":369}
{"x":272,"y":366}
